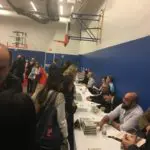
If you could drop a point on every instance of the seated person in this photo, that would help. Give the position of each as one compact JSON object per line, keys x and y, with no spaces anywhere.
{"x":144,"y":120}
{"x":109,"y":80}
{"x":91,"y":80}
{"x":128,"y":112}
{"x":99,"y":98}
{"x":85,"y":80}
{"x":129,"y":142}
{"x":97,"y":90}
{"x":111,"y":101}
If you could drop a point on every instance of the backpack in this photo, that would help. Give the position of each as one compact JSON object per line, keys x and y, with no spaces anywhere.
{"x":48,"y":134}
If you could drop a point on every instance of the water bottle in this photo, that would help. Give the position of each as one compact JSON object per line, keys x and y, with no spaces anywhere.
{"x":104,"y":130}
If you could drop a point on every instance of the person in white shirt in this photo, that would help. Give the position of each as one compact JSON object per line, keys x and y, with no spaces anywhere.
{"x":128,"y":112}
{"x":91,"y":80}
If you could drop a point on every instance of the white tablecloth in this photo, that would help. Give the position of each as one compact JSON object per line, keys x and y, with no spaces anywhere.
{"x":84,"y":142}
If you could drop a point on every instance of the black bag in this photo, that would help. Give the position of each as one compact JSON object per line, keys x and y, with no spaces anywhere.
{"x":48,"y":134}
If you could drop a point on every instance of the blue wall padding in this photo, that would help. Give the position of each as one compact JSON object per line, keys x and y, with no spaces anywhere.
{"x":128,"y":63}
{"x":39,"y":56}
{"x":62,"y":57}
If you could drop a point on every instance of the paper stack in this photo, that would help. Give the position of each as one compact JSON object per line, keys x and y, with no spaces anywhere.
{"x":78,"y":97}
{"x":88,"y":126}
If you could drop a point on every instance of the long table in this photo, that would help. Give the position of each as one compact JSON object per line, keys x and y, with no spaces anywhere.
{"x":99,"y":141}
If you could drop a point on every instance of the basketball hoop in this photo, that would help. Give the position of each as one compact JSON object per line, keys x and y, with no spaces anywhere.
{"x":66,"y":37}
{"x":65,"y":42}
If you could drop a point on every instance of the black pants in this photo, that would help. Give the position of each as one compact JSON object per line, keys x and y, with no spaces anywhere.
{"x":29,"y":86}
{"x":70,"y":131}
{"x":38,"y":147}
{"x":35,"y":82}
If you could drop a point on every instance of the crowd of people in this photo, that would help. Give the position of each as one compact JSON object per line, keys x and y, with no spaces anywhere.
{"x":43,"y":119}
{"x":30,"y":71}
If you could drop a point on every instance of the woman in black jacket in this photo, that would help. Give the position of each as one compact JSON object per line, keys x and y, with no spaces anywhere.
{"x":68,"y":91}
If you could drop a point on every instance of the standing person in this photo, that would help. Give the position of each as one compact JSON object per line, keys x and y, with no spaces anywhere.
{"x":29,"y":69}
{"x":68,"y":91}
{"x":51,"y":116}
{"x":18,"y":67}
{"x":42,"y":80}
{"x":18,"y":121}
{"x":34,"y":76}
{"x":7,"y":80}
{"x":66,"y":65}
{"x":55,"y":63}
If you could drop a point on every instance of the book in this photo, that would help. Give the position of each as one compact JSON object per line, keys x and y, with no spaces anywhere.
{"x":88,"y":126}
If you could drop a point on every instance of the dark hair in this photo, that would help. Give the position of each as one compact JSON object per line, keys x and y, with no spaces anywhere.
{"x":110,"y":77}
{"x":18,"y":118}
{"x":54,"y":81}
{"x":104,"y":77}
{"x":66,"y":65}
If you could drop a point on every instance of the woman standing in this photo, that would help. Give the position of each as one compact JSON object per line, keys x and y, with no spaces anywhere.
{"x":69,"y":92}
{"x":50,"y":99}
{"x":34,"y":76}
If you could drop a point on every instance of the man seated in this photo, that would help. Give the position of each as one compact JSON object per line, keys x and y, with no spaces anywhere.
{"x":99,"y":97}
{"x":97,"y":89}
{"x":85,"y":79}
{"x":7,"y":80}
{"x":110,"y":102}
{"x":128,"y":112}
{"x":129,"y":142}
{"x":144,"y":120}
{"x":91,"y":80}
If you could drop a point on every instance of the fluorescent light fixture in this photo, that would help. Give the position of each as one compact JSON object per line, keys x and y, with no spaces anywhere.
{"x":32,"y":4}
{"x":71,"y":1}
{"x":1,"y":6}
{"x":64,"y":19}
{"x":61,"y":9}
{"x":72,"y":9}
{"x":5,"y":12}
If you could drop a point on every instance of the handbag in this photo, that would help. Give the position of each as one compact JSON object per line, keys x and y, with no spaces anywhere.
{"x":48,"y":134}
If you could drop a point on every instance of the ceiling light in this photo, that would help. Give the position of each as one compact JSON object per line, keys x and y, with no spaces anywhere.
{"x":61,"y":10}
{"x":71,"y":1}
{"x":5,"y":12}
{"x":1,"y":6}
{"x":60,"y":0}
{"x":32,"y":4}
{"x":72,"y":8}
{"x":63,"y":19}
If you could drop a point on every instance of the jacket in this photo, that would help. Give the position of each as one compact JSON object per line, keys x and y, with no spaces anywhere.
{"x":12,"y":83}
